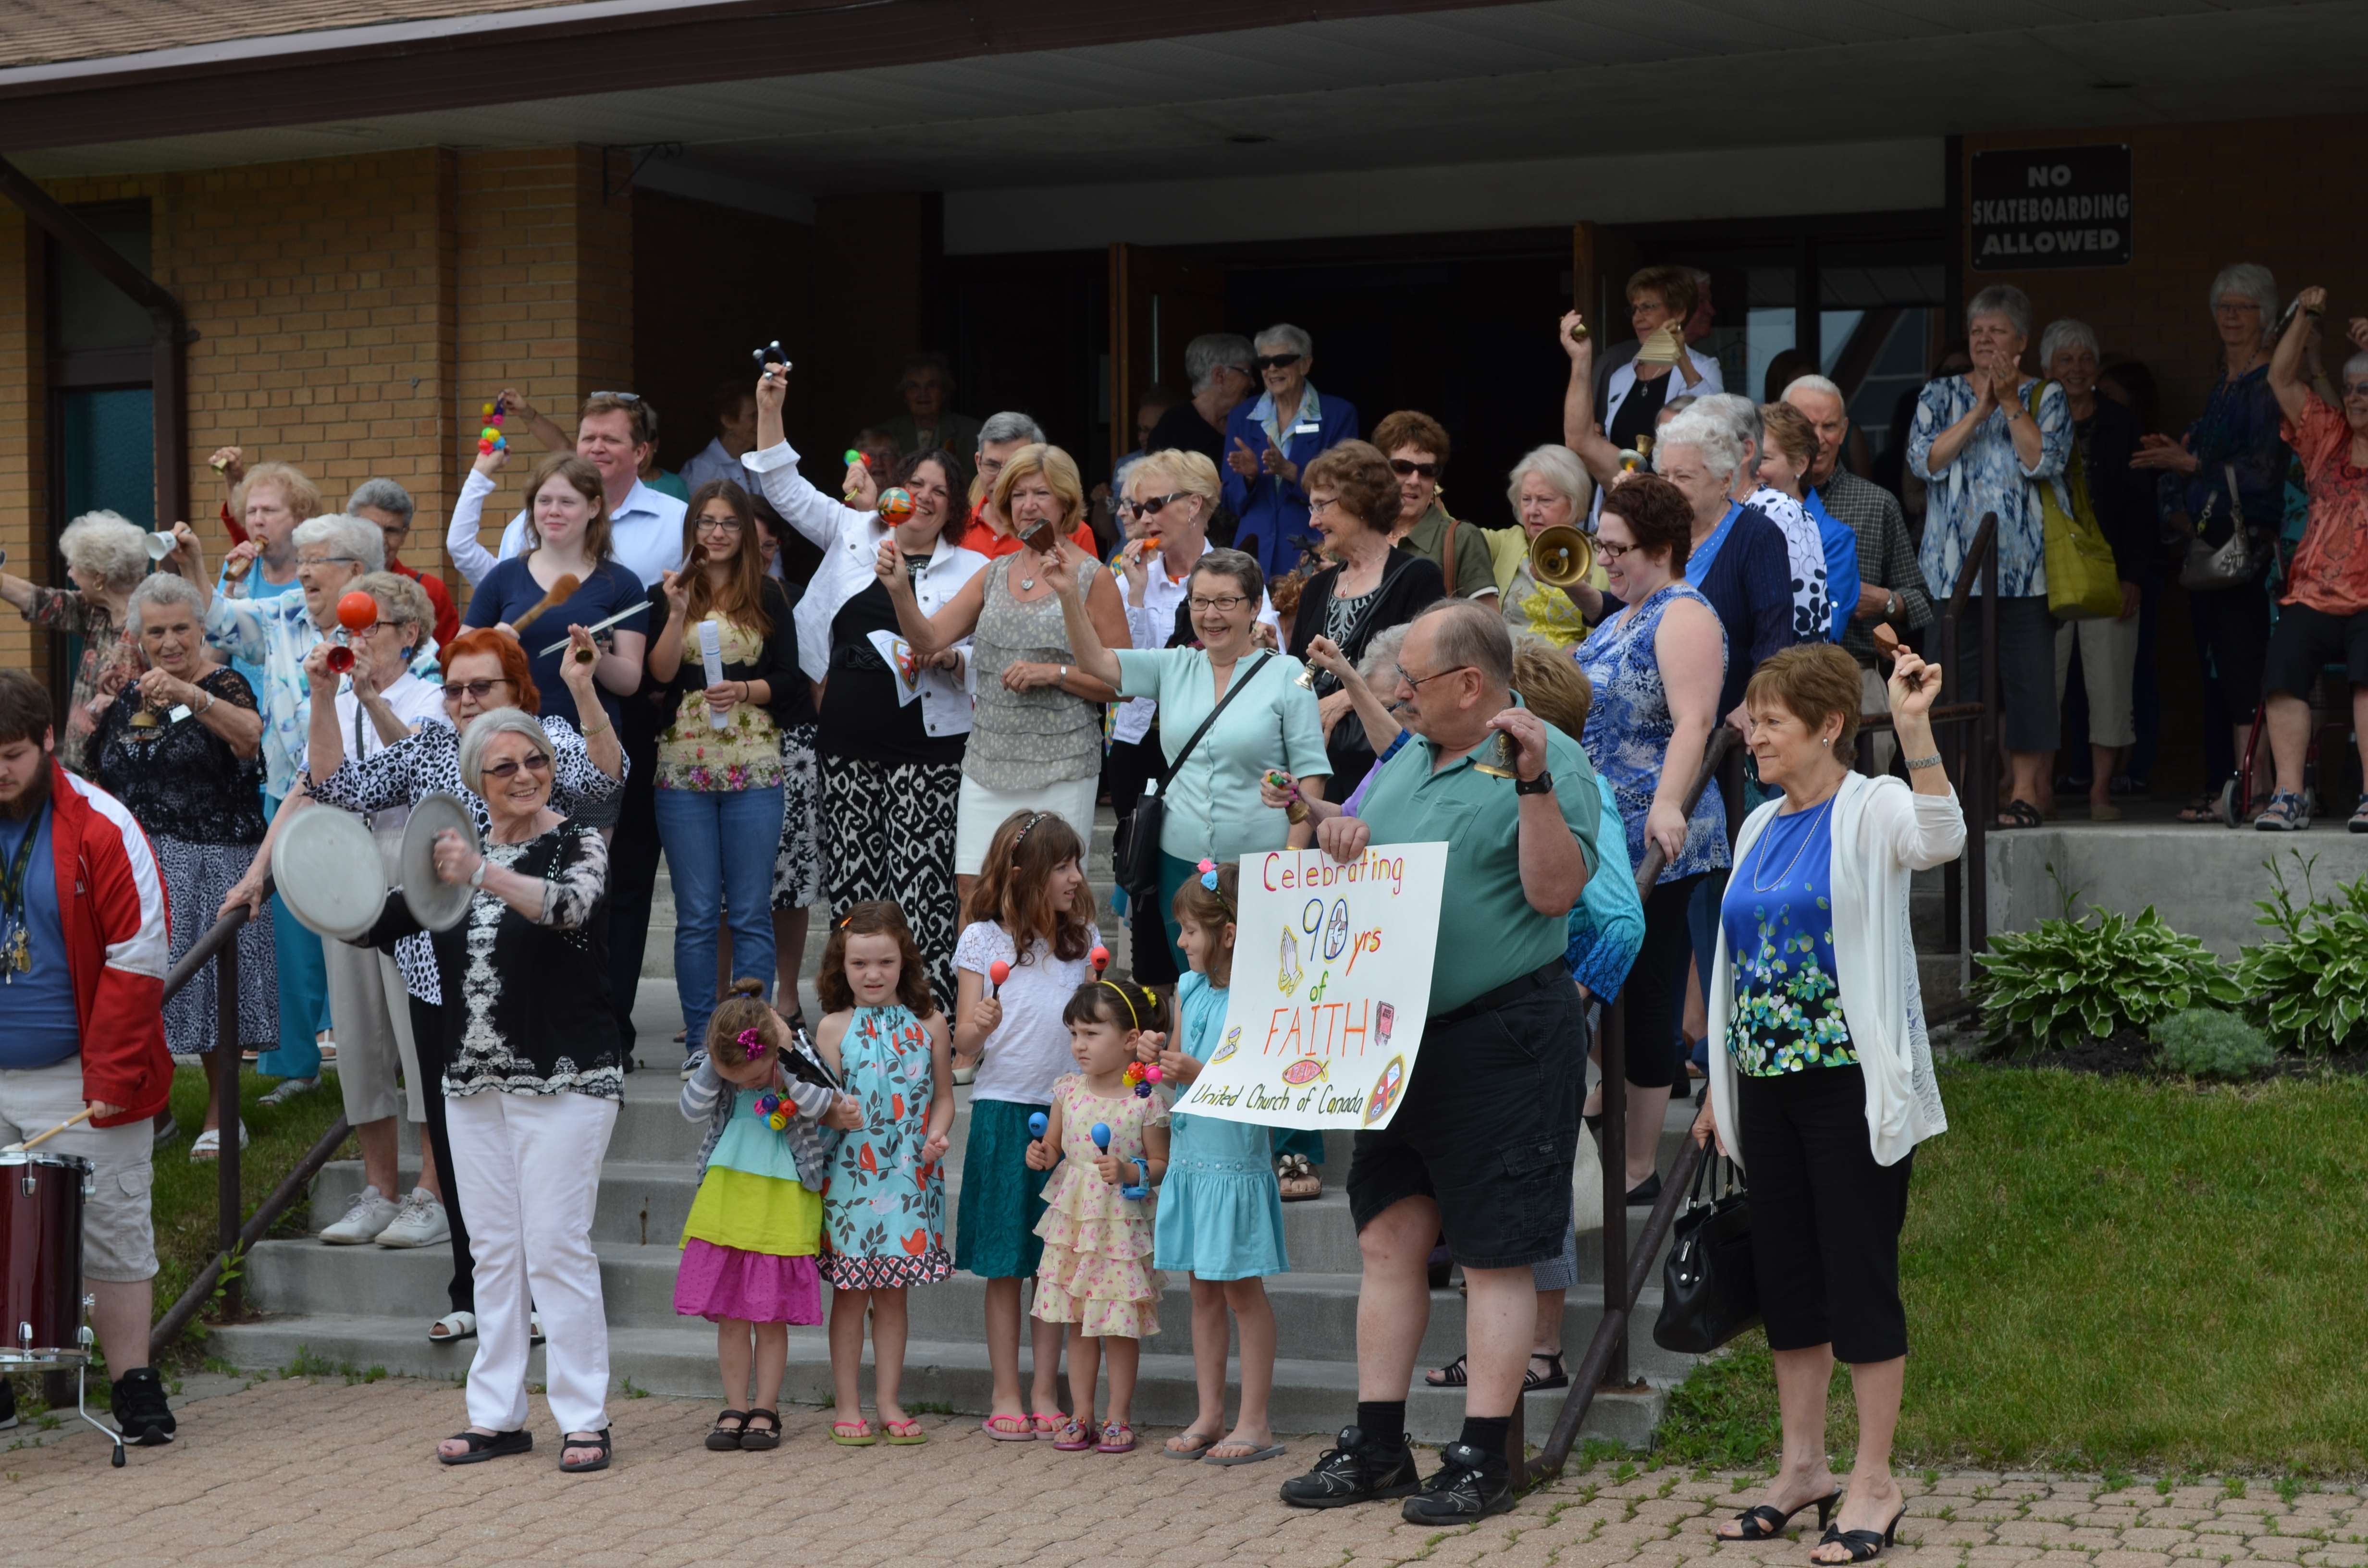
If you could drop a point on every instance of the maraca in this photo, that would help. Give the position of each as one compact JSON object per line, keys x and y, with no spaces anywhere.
{"x":1036,"y":1123}
{"x":854,"y":457}
{"x":1100,"y":958}
{"x":1102,"y":1136}
{"x":997,"y":974}
{"x":895,"y":504}
{"x":490,"y":438}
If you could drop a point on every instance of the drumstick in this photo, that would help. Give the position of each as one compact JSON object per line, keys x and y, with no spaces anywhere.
{"x":83,"y":1115}
{"x":561,"y":592}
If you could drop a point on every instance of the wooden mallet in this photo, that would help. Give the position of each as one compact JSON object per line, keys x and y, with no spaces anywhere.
{"x":561,"y":592}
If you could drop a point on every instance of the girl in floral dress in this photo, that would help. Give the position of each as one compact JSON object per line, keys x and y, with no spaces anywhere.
{"x":884,"y":1208}
{"x":1095,"y":1275}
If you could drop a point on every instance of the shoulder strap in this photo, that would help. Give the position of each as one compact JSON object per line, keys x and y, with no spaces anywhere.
{"x":1231,"y":692}
{"x":1446,"y":558}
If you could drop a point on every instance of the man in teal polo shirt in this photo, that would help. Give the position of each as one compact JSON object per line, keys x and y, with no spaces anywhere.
{"x":1483,"y":1146}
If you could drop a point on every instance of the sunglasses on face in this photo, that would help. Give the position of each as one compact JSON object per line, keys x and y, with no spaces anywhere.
{"x":533,"y":762}
{"x":1265,"y":362}
{"x":2355,"y":389}
{"x":1404,"y":469}
{"x":478,"y":689}
{"x":1154,"y":507}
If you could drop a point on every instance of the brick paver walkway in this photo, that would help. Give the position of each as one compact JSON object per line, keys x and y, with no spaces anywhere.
{"x":321,"y":1474}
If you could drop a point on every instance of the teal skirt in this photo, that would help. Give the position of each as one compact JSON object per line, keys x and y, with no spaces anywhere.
{"x":995,"y":1226}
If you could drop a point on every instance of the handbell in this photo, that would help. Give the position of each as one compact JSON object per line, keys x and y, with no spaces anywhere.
{"x":1561,"y":556}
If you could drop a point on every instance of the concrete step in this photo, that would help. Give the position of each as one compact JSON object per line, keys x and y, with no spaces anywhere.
{"x":1311,"y":1398}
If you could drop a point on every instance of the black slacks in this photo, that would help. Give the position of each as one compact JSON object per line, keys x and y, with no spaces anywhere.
{"x":431,"y":1034}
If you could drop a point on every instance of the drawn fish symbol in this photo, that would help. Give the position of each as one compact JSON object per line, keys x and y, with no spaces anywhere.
{"x":1232,"y":1043}
{"x":1306,"y":1070}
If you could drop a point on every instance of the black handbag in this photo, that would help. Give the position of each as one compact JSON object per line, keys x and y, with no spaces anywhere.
{"x":1708,"y":1290}
{"x":1134,"y":853}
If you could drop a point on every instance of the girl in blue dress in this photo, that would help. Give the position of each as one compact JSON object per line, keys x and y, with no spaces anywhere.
{"x":884,"y":1205}
{"x":1220,"y":1217}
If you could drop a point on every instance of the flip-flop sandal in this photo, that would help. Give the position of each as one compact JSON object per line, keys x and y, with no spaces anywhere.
{"x":484,"y":1445}
{"x":1116,"y":1437}
{"x":906,"y":1432}
{"x":1256,"y":1456}
{"x":598,"y":1440}
{"x":1021,"y":1430}
{"x":1070,"y":1437}
{"x":1456,"y":1374}
{"x":1194,"y":1455}
{"x":457,"y":1326}
{"x":1048,"y":1424}
{"x":759,"y":1438}
{"x":856,"y":1434}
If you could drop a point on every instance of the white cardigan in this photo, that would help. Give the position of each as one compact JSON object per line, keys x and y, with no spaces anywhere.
{"x":849,"y":542}
{"x":1882,"y":831}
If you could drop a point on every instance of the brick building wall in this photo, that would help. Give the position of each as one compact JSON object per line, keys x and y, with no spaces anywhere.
{"x":24,"y":432}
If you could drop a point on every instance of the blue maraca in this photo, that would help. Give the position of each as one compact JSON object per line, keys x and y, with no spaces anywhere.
{"x":1101,"y":1136}
{"x":1036,"y":1123}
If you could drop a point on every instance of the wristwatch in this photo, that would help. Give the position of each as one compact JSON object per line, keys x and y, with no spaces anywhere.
{"x":1542,"y":785}
{"x":1890,"y":606}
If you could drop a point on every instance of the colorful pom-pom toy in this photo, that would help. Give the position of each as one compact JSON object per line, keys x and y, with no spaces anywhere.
{"x":491,"y":439}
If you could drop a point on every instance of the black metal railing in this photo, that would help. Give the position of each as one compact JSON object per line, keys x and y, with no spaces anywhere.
{"x":234,"y":1231}
{"x":1973,"y":767}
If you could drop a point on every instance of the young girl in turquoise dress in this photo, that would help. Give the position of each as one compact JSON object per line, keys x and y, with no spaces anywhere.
{"x":1095,"y":1275}
{"x":748,"y":1247}
{"x":1220,"y":1208}
{"x":885,"y":1206}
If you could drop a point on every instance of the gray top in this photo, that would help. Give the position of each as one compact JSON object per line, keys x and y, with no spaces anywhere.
{"x":1026,"y":740}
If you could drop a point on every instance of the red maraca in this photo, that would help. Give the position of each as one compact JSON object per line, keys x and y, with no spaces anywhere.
{"x":357,"y":611}
{"x":997,"y":974}
{"x":1100,"y":958}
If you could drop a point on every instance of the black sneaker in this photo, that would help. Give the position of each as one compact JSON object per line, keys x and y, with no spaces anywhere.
{"x":1353,"y":1473}
{"x":1469,"y":1485}
{"x":140,"y":1413}
{"x":8,"y":1403}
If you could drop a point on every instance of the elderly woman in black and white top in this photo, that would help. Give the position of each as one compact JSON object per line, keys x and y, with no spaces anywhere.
{"x":532,"y":1091}
{"x":890,"y":766}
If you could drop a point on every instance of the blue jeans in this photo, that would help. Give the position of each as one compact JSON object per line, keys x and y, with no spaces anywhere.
{"x":720,"y":848}
{"x":303,"y":988}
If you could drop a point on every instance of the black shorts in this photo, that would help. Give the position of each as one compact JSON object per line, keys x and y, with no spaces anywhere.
{"x":2306,"y":641}
{"x":1489,"y":1129}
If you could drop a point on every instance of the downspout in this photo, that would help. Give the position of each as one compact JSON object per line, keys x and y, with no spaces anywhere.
{"x":168,"y":349}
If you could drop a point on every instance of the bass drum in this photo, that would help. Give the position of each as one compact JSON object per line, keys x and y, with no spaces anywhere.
{"x":42,"y":1302}
{"x":328,"y":872}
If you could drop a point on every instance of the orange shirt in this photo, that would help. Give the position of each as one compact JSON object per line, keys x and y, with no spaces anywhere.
{"x":981,"y":537}
{"x":2330,"y":568}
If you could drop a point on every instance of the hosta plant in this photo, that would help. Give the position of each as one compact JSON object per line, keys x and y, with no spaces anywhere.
{"x":2072,"y":979}
{"x":2309,"y":991}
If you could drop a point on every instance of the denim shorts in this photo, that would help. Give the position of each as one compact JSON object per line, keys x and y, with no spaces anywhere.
{"x":1490,"y":1130}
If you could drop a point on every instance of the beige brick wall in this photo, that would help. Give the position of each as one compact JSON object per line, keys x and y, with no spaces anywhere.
{"x":2274,"y":191}
{"x":24,"y":431}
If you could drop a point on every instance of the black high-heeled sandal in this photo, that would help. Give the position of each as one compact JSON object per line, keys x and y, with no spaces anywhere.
{"x":1766,"y":1523}
{"x":1864,"y":1546}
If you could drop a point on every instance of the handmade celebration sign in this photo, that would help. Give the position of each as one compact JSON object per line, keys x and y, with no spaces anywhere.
{"x":1330,"y":986}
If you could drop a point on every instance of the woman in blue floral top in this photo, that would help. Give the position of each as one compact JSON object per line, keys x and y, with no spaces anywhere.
{"x":1825,"y":1084}
{"x":721,"y":774}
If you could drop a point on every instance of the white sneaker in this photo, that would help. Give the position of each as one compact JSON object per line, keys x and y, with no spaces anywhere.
{"x":372,"y":1214}
{"x":420,"y":1223}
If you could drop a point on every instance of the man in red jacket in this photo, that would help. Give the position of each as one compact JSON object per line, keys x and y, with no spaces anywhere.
{"x":83,"y":944}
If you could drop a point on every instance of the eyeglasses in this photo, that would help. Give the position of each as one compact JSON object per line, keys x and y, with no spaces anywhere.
{"x":1416,"y":682}
{"x":1402,"y":468}
{"x":1321,"y":504}
{"x":2355,"y":389}
{"x":534,"y":762}
{"x":1611,"y":552}
{"x":303,"y":561}
{"x":1265,"y":362}
{"x":1154,"y":507}
{"x":717,"y":525}
{"x":1223,"y":606}
{"x":478,"y":689}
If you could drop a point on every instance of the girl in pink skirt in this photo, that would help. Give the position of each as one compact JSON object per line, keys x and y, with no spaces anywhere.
{"x":748,"y":1247}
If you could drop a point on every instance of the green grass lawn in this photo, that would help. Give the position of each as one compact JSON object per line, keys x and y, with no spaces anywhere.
{"x":187,"y":1202}
{"x":2101,"y":1274}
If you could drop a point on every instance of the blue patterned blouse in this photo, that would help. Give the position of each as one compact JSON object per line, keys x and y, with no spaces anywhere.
{"x":1988,"y":476}
{"x":1629,"y":727}
{"x":1779,"y":918}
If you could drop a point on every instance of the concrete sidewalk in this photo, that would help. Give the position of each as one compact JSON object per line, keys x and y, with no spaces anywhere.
{"x":290,"y":1471}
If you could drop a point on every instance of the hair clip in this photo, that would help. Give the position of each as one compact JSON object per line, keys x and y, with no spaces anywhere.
{"x":1208,"y":875}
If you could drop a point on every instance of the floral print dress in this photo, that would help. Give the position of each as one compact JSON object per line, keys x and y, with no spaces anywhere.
{"x":1779,"y":918}
{"x":1097,"y":1271}
{"x":111,"y":659}
{"x":883,"y":1210}
{"x":746,"y":754}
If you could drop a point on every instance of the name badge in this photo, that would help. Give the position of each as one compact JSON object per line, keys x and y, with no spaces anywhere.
{"x":179,"y":713}
{"x":1309,"y":429}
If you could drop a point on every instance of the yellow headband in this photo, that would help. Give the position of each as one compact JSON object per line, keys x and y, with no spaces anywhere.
{"x":1133,"y":1017}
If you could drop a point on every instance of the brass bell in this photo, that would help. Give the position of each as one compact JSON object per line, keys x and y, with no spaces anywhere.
{"x":1561,"y":556}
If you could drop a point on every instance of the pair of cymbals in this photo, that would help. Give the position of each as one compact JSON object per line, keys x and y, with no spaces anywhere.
{"x":326,"y":867}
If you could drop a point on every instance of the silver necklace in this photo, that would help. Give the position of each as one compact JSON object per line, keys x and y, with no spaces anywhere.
{"x":1760,"y":861}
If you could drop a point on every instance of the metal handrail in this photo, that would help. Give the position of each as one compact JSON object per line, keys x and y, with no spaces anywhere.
{"x":219,"y":947}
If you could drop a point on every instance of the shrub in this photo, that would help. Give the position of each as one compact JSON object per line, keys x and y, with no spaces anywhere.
{"x":2204,"y":1042}
{"x":2070,"y":980}
{"x":2311,"y":990}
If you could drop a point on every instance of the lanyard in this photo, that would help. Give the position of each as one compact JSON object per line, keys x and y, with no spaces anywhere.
{"x":14,"y":905}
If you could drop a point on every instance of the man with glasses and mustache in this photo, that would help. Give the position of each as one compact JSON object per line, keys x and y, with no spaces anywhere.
{"x":2324,"y":615}
{"x":1268,"y":441}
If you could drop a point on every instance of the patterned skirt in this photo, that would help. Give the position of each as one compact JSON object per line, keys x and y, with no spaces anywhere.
{"x":797,"y":869}
{"x":891,"y":831}
{"x":197,"y":877}
{"x":748,"y":1250}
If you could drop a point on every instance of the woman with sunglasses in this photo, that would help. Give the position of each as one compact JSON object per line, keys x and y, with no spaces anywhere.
{"x":483,"y":670}
{"x":890,"y":768}
{"x":1418,"y":444}
{"x":1270,"y":440}
{"x":732,"y":752}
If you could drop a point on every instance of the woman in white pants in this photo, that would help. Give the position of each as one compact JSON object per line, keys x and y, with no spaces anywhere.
{"x":533,"y":1082}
